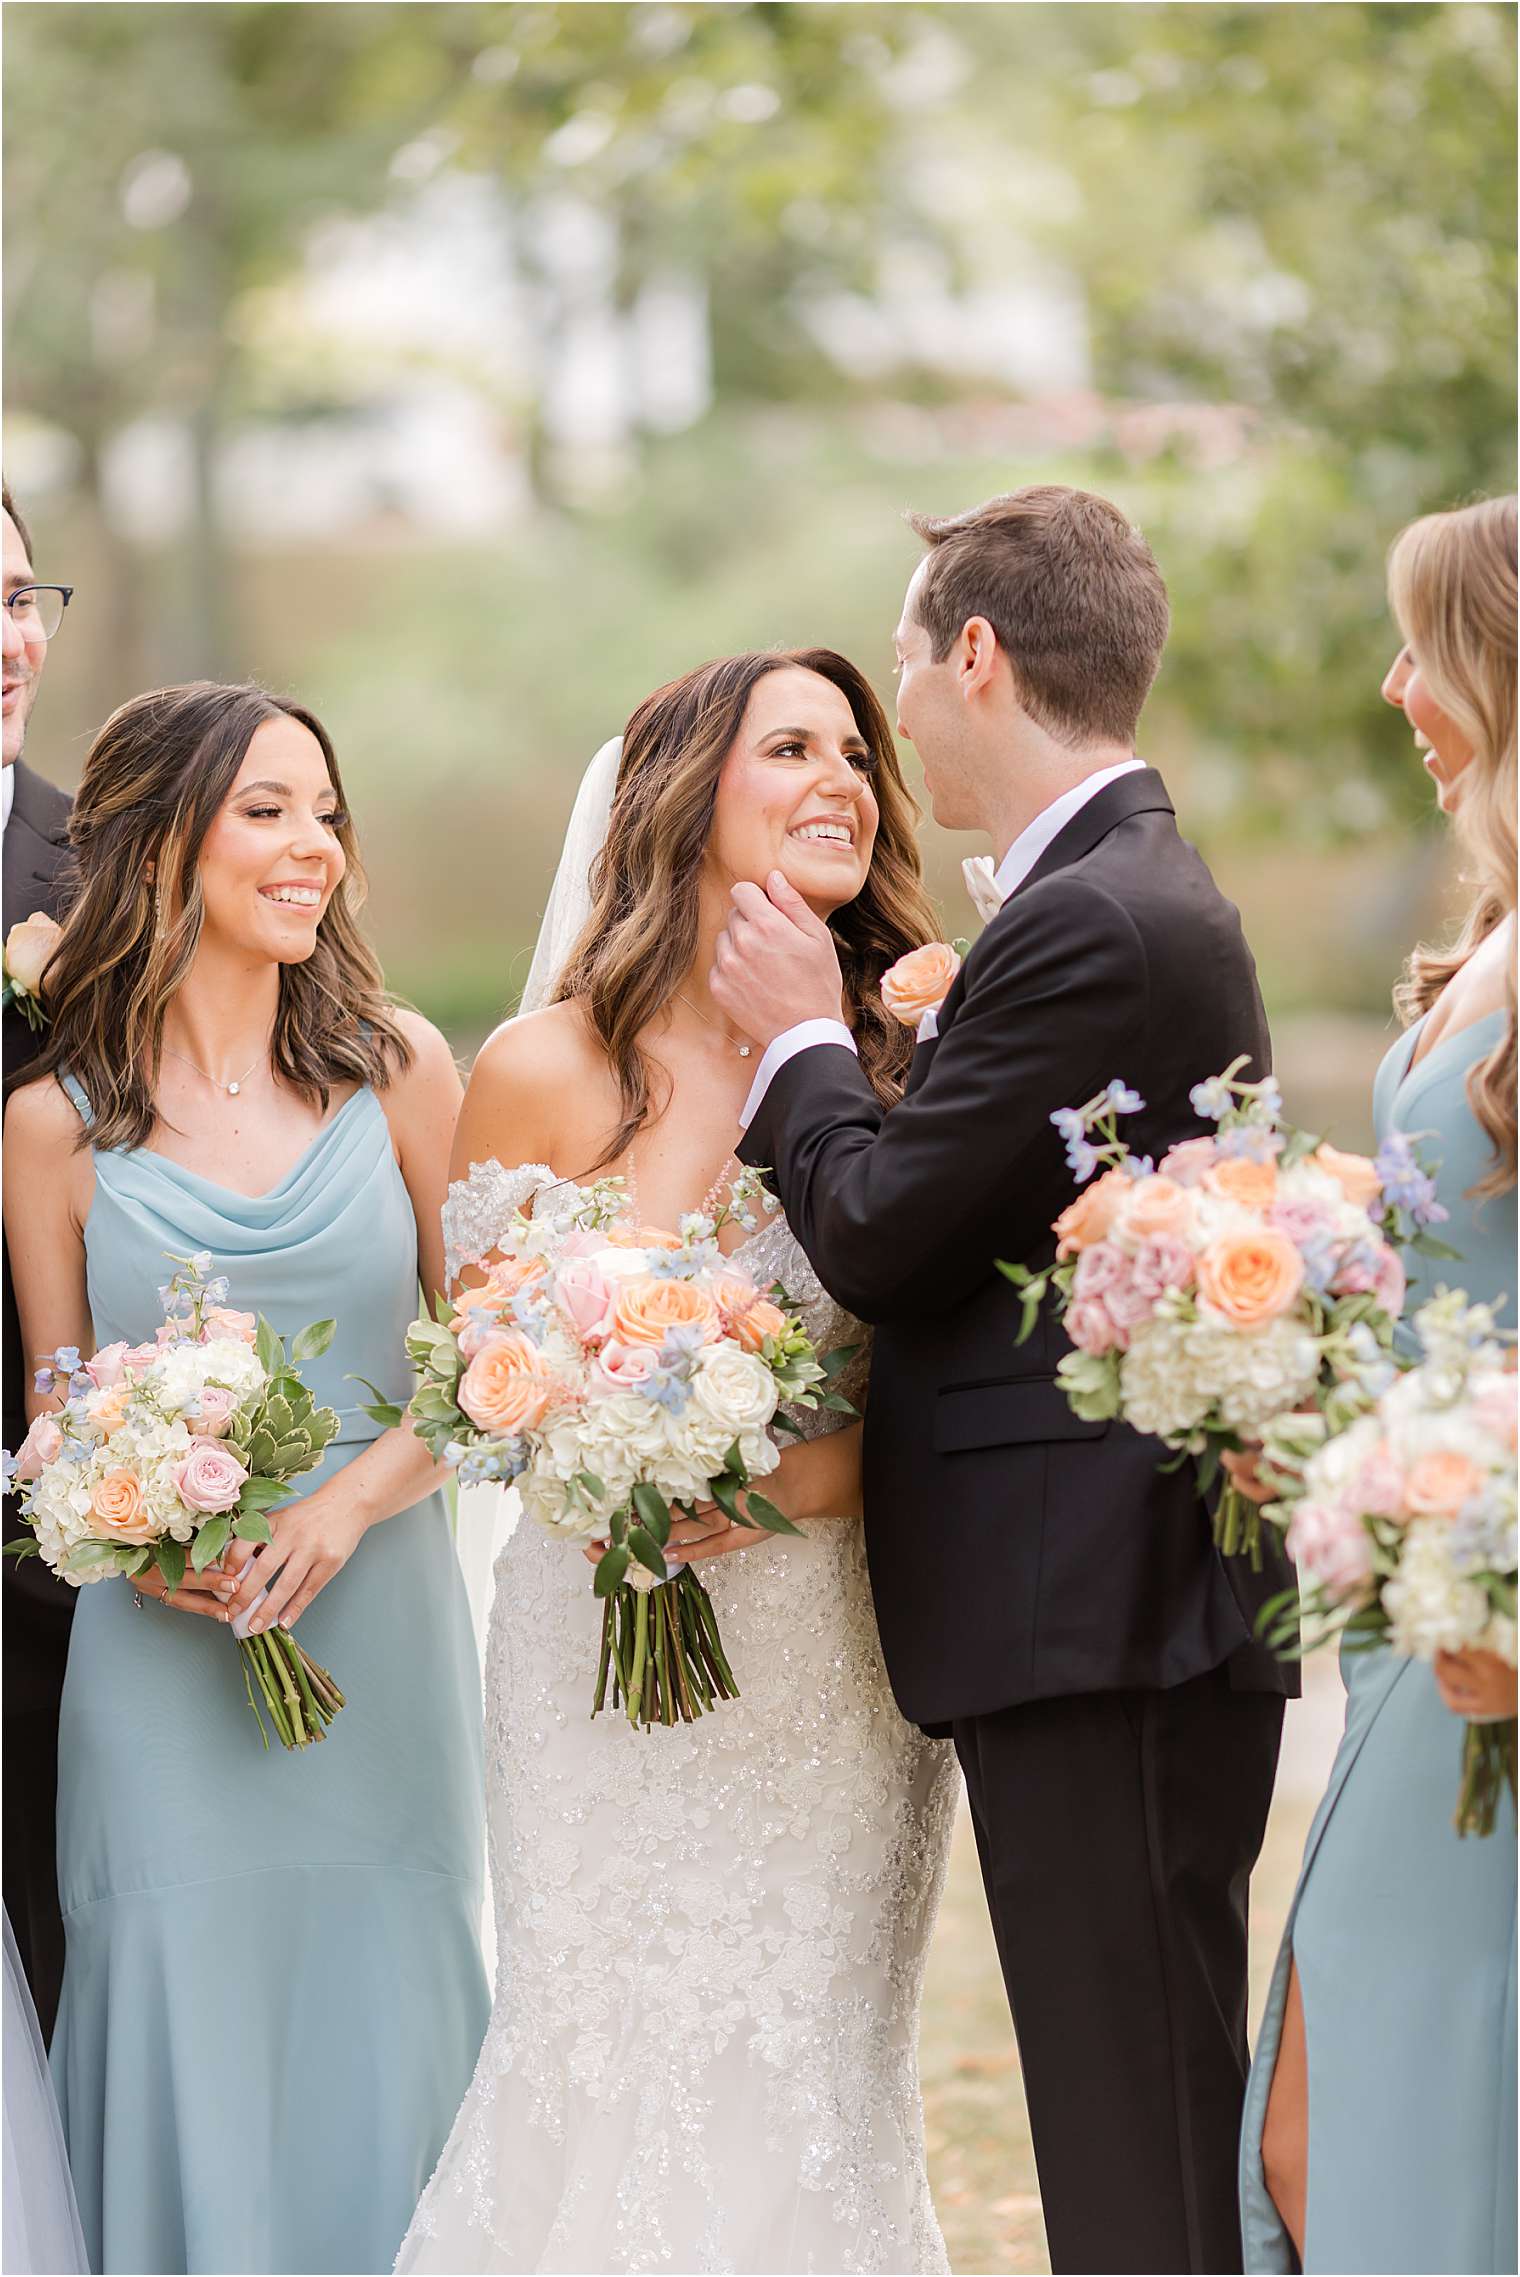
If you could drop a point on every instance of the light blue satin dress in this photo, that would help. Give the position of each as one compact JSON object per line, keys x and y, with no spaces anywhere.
{"x":1404,"y":1933}
{"x":273,"y":1998}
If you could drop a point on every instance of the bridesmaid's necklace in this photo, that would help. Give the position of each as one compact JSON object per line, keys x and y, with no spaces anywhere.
{"x":233,"y":1088}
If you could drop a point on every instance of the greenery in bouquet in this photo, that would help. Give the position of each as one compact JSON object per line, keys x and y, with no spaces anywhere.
{"x":162,"y":1453}
{"x":616,"y":1375}
{"x":1400,"y":1518}
{"x":1253,"y":1270}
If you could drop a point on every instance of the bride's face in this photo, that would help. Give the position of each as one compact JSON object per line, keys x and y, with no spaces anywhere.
{"x":795,"y":793}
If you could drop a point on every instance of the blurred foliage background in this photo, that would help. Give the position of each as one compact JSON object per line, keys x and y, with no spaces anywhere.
{"x":471,"y":369}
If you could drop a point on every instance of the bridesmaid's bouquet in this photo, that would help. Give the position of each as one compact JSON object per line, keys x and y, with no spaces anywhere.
{"x":161,"y":1453}
{"x":616,"y":1375}
{"x":1401,"y":1522}
{"x":1251,"y":1271}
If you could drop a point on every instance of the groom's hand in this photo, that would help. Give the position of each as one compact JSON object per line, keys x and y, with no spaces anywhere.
{"x":775,"y":963}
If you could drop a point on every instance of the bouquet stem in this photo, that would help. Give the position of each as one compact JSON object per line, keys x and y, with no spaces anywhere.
{"x":1237,"y":1525}
{"x":663,"y":1654}
{"x":301,"y":1698}
{"x":1488,"y":1767}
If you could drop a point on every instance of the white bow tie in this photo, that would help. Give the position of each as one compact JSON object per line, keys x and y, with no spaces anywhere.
{"x":981,"y":883}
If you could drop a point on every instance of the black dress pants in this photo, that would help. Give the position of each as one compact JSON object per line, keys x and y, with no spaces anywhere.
{"x":1117,"y":1833}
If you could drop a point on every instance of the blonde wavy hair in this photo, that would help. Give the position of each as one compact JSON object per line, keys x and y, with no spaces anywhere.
{"x":639,"y":941}
{"x":1452,"y":588}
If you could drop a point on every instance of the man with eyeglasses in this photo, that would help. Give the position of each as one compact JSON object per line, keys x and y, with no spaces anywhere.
{"x":34,"y":816}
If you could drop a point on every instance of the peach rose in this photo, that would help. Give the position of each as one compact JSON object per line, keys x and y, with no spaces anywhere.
{"x":120,"y":1511}
{"x":220,"y":1320}
{"x":1237,"y":1179}
{"x":506,"y":1387}
{"x":648,"y":1309}
{"x":1090,"y":1217}
{"x":40,"y":1447}
{"x":734,"y":1292}
{"x":1436,"y":1485}
{"x":763,"y":1319}
{"x":919,"y":982}
{"x":1189,"y":1159}
{"x":1250,"y":1277}
{"x":1356,"y":1177}
{"x":1155,"y":1206}
{"x":109,"y":1409}
{"x":28,"y":946}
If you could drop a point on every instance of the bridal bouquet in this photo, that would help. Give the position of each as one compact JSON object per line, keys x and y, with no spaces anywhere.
{"x":1402,"y":1522}
{"x":161,"y":1452}
{"x":618,"y":1374}
{"x":1253,"y":1270}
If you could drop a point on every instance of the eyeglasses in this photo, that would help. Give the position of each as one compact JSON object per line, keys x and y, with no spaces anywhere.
{"x":36,"y":611}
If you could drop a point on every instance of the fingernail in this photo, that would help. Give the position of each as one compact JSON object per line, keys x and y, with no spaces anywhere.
{"x":256,"y":1626}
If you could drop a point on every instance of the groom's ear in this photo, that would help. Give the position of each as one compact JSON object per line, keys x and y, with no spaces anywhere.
{"x":979,"y":658}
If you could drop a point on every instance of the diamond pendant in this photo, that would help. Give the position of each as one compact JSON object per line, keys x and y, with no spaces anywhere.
{"x":233,"y":1089}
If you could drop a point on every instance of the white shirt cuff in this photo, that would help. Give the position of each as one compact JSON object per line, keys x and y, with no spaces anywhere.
{"x":786,"y":1046}
{"x":928,"y":1026}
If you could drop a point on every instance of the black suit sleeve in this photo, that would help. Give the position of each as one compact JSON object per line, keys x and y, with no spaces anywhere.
{"x":912,"y":1207}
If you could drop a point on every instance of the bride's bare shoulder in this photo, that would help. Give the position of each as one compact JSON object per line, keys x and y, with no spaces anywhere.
{"x":532,"y":1083}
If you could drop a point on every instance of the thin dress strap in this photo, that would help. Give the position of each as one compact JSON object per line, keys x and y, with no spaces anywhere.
{"x":77,"y":1095}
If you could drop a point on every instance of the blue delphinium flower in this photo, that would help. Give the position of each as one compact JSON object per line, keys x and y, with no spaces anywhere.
{"x":66,"y":1359}
{"x":42,"y":1381}
{"x":1211,"y":1099}
{"x":8,"y":1468}
{"x":1405,"y":1185}
{"x":1082,"y":1159}
{"x":1123,"y":1100}
{"x":1137,"y":1165}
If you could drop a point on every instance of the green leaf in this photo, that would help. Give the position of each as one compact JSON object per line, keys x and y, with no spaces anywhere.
{"x":725,"y":1493}
{"x":840,"y":1405}
{"x":270,"y":1350}
{"x":443,"y":1309}
{"x":650,"y":1505}
{"x":252,"y":1526}
{"x":590,"y":1484}
{"x":763,"y":1513}
{"x":313,"y":1341}
{"x":781,"y":1421}
{"x":171,"y":1562}
{"x":24,"y":1547}
{"x":210,"y":1542}
{"x":834,"y":1363}
{"x":610,"y":1572}
{"x":101,"y":1557}
{"x":647,"y":1550}
{"x":378,"y":1408}
{"x":735,"y":1465}
{"x":263,"y":1494}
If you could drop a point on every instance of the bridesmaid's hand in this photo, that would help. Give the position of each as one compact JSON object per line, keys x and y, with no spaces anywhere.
{"x":1477,"y":1684}
{"x":1245,"y":1475}
{"x":313,"y":1540}
{"x":208,"y":1593}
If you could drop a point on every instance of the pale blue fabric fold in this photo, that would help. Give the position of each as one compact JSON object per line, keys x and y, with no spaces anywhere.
{"x":39,"y":2221}
{"x":273,"y":1997}
{"x":1404,"y":1934}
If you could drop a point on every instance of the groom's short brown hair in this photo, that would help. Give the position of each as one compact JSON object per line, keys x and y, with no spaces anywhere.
{"x":1073,"y":593}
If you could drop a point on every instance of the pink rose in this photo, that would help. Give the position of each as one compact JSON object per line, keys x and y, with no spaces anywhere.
{"x":1128,"y":1306}
{"x":1302,"y":1222}
{"x":108,"y":1366}
{"x":582,"y":1243}
{"x":1098,"y":1268}
{"x":1330,"y":1545}
{"x":1494,"y":1409}
{"x":170,"y":1333}
{"x":623,"y":1367}
{"x":585,"y":1297}
{"x":1388,"y":1281}
{"x":214,"y":1410}
{"x":1091,"y":1327}
{"x":220,"y":1320}
{"x":1186,"y":1162}
{"x":474,"y":1322}
{"x":1378,"y":1485}
{"x":209,"y":1478}
{"x":40,"y":1447}
{"x":1155,"y":1205}
{"x":137,"y":1359}
{"x":1161,"y":1262}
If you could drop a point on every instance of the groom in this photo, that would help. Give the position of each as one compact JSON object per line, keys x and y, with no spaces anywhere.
{"x":1045,"y":1591}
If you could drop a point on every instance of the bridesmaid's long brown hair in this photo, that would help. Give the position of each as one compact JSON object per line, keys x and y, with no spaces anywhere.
{"x":156,"y":776}
{"x":639,"y":941}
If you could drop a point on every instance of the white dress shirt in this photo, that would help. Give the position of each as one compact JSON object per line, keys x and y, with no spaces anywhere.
{"x":7,"y":793}
{"x":1013,"y":869}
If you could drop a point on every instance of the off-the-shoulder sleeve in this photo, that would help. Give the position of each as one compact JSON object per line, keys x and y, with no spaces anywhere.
{"x":479,"y":1209}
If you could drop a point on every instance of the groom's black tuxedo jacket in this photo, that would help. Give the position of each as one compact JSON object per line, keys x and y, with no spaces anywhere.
{"x":1017,"y":1553}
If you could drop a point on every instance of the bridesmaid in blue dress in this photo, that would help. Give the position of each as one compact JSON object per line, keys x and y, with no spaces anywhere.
{"x":273,"y":1997}
{"x":1380,"y":2119}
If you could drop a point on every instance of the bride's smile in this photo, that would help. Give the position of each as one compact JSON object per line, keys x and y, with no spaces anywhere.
{"x":795,"y":793}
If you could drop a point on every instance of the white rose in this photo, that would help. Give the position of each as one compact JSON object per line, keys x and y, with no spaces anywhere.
{"x":736,"y":1388}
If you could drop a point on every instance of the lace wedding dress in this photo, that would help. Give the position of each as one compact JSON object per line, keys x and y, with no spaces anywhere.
{"x":711,"y":1939}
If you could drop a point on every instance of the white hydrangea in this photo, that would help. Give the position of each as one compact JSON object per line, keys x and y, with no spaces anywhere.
{"x":1431,"y":1608}
{"x":1159,"y":1385}
{"x":1252,"y":1374}
{"x":177,"y":1379}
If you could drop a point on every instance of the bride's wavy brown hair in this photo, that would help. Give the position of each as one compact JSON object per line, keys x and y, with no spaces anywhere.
{"x":639,"y":941}
{"x":156,"y":777}
{"x":1451,"y":583}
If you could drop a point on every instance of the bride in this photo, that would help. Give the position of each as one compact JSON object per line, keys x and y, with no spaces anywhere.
{"x":703,"y":2054}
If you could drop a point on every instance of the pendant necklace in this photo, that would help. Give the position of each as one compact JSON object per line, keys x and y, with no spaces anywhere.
{"x":232,"y":1089}
{"x":745,"y":1051}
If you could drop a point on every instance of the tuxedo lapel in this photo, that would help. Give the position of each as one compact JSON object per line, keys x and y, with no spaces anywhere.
{"x":1140,"y":792}
{"x":36,"y":847}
